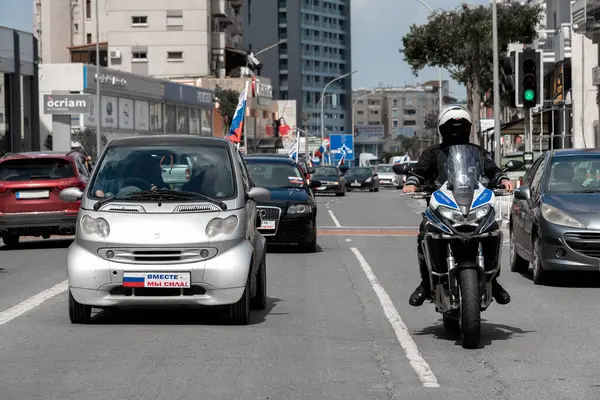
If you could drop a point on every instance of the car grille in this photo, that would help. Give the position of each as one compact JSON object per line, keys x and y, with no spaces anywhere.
{"x":157,"y":292}
{"x":586,"y":243}
{"x":291,"y":228}
{"x":269,"y":214}
{"x":149,"y":256}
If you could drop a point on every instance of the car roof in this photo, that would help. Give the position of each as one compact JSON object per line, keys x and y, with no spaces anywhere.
{"x":269,"y":159}
{"x":574,"y":152}
{"x":66,"y":155}
{"x":164,"y":140}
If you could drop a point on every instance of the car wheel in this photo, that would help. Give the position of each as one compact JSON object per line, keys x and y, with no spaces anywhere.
{"x":259,"y":302}
{"x":342,"y":193}
{"x":239,"y":313}
{"x":79,"y":313}
{"x":376,"y":189}
{"x":311,"y":246}
{"x":539,"y":275}
{"x":10,"y":240}
{"x":517,"y":263}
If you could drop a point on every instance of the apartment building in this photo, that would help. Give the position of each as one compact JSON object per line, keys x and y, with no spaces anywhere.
{"x":160,"y":38}
{"x":317,"y":51}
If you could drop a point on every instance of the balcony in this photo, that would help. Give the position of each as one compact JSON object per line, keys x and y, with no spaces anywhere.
{"x":218,"y":40}
{"x":585,"y":15}
{"x":238,"y":25}
{"x":223,"y":10}
{"x":556,"y":45}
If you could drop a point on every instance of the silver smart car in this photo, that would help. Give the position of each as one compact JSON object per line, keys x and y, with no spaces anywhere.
{"x":143,"y":242}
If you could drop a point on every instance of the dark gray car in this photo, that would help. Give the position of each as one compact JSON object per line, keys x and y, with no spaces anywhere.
{"x":555,"y":215}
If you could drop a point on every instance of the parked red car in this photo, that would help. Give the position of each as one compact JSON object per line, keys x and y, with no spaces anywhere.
{"x":30,"y":184}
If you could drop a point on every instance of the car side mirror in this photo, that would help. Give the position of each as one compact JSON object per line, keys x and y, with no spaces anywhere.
{"x":523,"y":193}
{"x":259,"y":194}
{"x":402,"y":169}
{"x":314,"y":184}
{"x":71,"y":194}
{"x":513,"y":165}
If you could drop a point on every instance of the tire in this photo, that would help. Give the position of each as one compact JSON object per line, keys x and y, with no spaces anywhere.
{"x":310,"y":247}
{"x":259,"y":302}
{"x":11,"y":240}
{"x":451,"y":325}
{"x":540,"y":276}
{"x":239,"y":313}
{"x":79,"y":313}
{"x":517,"y":263}
{"x":339,"y":194}
{"x":470,"y":308}
{"x":376,"y":189}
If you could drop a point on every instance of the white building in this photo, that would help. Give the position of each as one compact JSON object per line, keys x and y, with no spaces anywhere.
{"x":160,"y":38}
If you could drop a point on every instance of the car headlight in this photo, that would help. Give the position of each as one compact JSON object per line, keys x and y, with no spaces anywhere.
{"x":95,"y":226}
{"x":368,"y":179}
{"x":558,"y":217}
{"x":299,"y":209}
{"x":216,"y":226}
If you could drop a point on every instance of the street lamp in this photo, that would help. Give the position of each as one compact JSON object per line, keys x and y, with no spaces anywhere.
{"x":441,"y":99}
{"x":99,"y":105}
{"x":322,"y":104}
{"x":496,"y":83}
{"x":251,"y":59}
{"x":319,"y":103}
{"x":359,"y":98}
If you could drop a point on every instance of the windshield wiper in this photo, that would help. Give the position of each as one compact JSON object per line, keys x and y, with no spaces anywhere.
{"x":588,"y":191}
{"x":162,"y":194}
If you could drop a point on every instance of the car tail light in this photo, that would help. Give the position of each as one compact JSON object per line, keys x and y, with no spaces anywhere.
{"x":3,"y":189}
{"x":187,"y":174}
{"x":80,"y":185}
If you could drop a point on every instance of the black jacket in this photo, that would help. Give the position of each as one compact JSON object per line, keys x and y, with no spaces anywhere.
{"x":427,"y":166}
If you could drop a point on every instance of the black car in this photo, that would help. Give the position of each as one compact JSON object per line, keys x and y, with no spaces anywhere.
{"x":555,"y":215}
{"x":362,"y":178}
{"x":290,"y":216}
{"x":332,"y":180}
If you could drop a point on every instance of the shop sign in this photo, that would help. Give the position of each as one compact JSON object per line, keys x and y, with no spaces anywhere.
{"x":111,"y":80}
{"x":65,"y":104}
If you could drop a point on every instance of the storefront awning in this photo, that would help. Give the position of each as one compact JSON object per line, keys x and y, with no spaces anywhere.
{"x":517,"y":127}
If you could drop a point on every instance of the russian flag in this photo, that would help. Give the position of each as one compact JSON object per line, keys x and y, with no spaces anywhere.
{"x":133,"y":281}
{"x":293,"y":152}
{"x":237,"y":122}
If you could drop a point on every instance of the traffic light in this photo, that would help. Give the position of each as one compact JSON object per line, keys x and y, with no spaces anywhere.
{"x":530,"y":78}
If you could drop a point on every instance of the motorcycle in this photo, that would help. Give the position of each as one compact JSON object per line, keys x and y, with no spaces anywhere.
{"x":462,"y":241}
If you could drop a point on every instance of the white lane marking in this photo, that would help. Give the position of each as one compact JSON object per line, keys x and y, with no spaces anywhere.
{"x":348,"y":240}
{"x":335,"y":220}
{"x":411,"y":350}
{"x":32,"y":302}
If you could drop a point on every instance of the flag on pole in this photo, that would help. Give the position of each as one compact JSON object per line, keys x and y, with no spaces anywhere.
{"x":237,"y":122}
{"x":341,"y":162}
{"x":294,"y":150}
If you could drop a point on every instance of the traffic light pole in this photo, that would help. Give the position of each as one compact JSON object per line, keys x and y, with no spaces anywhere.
{"x":528,"y":130}
{"x":498,"y":147}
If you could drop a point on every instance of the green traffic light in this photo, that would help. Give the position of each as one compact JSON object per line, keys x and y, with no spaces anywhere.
{"x":529,"y":95}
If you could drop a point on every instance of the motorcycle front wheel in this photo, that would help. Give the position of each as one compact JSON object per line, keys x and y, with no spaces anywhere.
{"x":470,"y":308}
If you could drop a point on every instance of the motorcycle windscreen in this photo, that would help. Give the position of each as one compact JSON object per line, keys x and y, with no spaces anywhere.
{"x":462,"y":167}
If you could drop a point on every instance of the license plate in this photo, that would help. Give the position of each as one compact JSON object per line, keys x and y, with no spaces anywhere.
{"x":156,"y":279}
{"x":385,"y":181}
{"x":321,"y":188}
{"x":355,"y":184}
{"x":267,"y":225}
{"x":33,"y":194}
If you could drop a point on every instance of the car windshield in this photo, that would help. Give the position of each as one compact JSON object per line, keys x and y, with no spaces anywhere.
{"x":384,"y":168}
{"x":27,"y":169}
{"x":461,"y":167}
{"x":201,"y":169}
{"x":275,"y":175}
{"x":359,"y":172}
{"x":574,"y":174}
{"x":326,"y":171}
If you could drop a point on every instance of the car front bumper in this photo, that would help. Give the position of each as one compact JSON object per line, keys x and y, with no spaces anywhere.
{"x":389,"y":183}
{"x":565,"y":249}
{"x":359,"y":185}
{"x":293,"y":230}
{"x":33,"y":220}
{"x":328,"y":188}
{"x":220,"y":280}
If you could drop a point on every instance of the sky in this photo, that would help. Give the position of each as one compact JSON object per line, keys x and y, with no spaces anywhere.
{"x":377,"y":30}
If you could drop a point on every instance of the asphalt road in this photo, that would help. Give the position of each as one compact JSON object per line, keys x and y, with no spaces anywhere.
{"x":338,"y":326}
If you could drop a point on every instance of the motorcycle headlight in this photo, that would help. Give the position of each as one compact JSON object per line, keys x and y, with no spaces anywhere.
{"x":451,"y":214}
{"x":216,"y":226}
{"x":95,"y":226}
{"x":300,"y":209}
{"x":479,"y":213}
{"x":457,"y":217}
{"x":558,"y":217}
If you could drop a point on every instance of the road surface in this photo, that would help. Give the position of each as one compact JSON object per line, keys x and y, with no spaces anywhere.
{"x":338,"y":326}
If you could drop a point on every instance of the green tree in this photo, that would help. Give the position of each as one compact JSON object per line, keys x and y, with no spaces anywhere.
{"x":88,"y":141}
{"x":228,"y":101}
{"x":460,"y":41}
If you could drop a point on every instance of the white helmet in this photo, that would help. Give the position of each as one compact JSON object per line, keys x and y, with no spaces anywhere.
{"x":454,"y":122}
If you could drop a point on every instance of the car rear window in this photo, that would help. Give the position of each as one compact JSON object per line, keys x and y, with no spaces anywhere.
{"x":40,"y":168}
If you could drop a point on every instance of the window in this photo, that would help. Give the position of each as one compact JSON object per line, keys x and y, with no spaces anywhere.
{"x":175,"y":55}
{"x":535,"y":182}
{"x":395,"y":123}
{"x":88,"y":9}
{"x":139,"y":21}
{"x":174,"y":18}
{"x":76,"y":27}
{"x":88,"y":38}
{"x":139,"y":56}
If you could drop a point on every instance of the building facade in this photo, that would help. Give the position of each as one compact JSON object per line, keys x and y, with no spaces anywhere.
{"x":317,"y":51}
{"x":160,"y":38}
{"x":129,"y":105}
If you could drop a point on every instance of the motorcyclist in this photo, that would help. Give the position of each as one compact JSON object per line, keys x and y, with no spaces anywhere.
{"x":454,"y":126}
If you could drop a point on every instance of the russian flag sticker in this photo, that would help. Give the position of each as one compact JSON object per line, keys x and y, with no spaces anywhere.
{"x":134,"y":279}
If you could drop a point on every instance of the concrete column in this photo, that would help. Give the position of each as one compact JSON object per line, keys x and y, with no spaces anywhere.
{"x":15,"y":99}
{"x":61,"y":132}
{"x":26,"y":100}
{"x":34,"y":99}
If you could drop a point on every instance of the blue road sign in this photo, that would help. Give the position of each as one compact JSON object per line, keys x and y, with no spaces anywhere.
{"x":339,"y":143}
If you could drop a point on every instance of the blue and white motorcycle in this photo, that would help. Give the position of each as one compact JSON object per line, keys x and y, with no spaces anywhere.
{"x":462,"y":241}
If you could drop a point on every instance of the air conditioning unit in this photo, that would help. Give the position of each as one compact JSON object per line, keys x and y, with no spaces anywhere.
{"x":115,"y":54}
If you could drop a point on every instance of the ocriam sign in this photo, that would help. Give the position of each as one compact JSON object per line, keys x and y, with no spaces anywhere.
{"x":67,"y":104}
